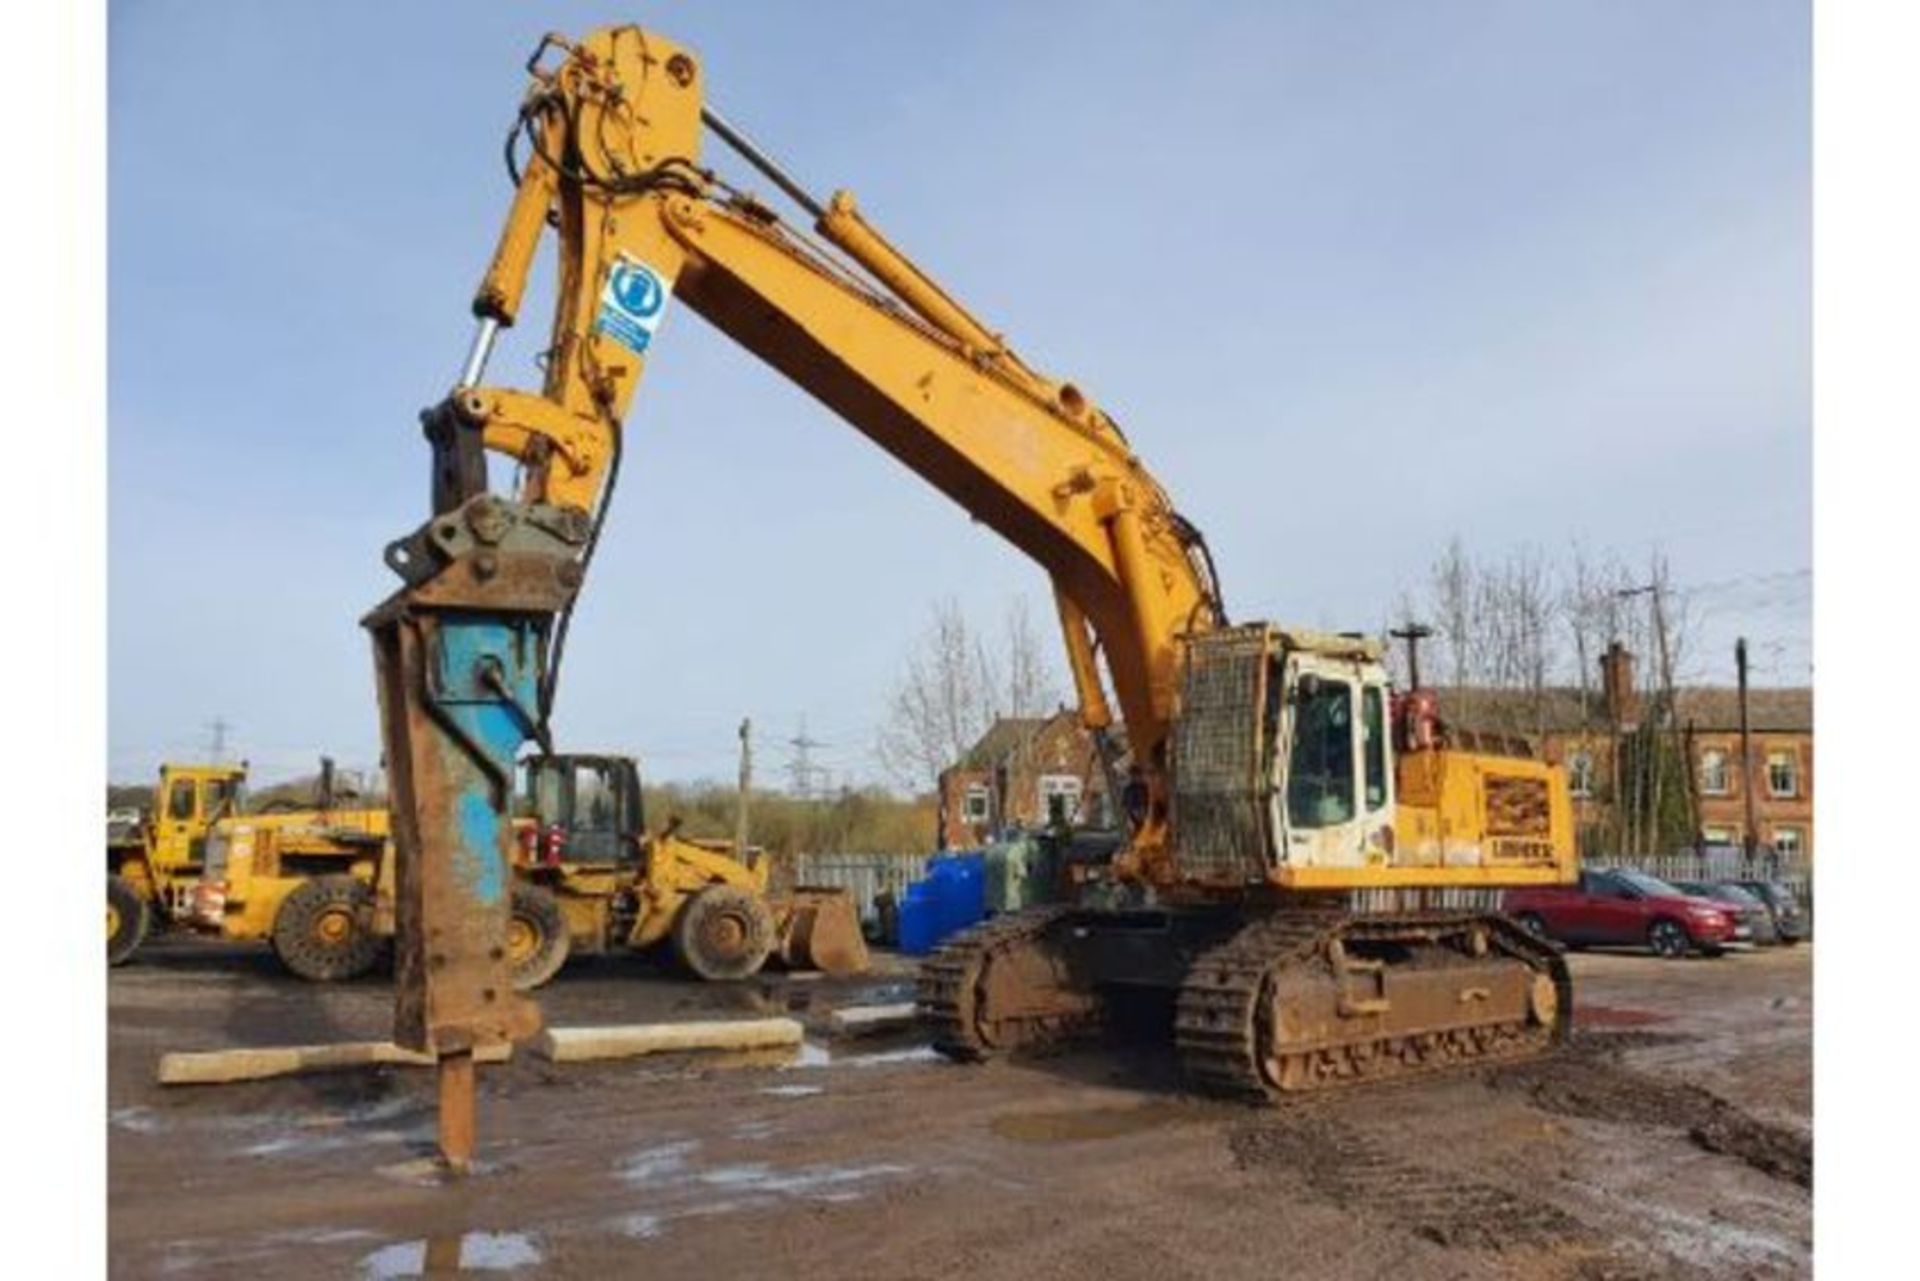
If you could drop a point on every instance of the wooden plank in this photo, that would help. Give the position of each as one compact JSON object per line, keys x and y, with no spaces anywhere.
{"x":577,"y":1044}
{"x":858,"y":1020}
{"x":256,"y":1063}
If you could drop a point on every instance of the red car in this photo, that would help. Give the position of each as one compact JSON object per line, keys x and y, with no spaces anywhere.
{"x":1618,"y":906}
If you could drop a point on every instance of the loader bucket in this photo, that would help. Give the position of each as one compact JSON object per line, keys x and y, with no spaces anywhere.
{"x":820,"y":930}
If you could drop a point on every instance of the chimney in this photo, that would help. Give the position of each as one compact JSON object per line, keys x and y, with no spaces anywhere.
{"x":1616,"y":683}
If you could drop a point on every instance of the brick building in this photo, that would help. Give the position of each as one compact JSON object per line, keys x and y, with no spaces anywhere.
{"x":1024,"y":773}
{"x":1581,"y":732}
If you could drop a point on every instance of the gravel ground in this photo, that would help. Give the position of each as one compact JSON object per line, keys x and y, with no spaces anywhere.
{"x":1671,"y":1139}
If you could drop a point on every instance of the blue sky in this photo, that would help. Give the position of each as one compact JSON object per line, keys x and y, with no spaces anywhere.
{"x":1356,"y":278}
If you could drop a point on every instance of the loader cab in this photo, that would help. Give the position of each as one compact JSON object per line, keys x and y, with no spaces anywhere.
{"x":583,"y":809}
{"x":187,"y":801}
{"x":1333,"y":779}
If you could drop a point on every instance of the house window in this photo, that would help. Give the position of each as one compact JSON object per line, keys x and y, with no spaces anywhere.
{"x":1786,"y":840}
{"x":1713,"y":773}
{"x":975,"y":808}
{"x":1783,"y":774}
{"x":1580,"y":774}
{"x":1059,"y":798}
{"x":1717,"y":835}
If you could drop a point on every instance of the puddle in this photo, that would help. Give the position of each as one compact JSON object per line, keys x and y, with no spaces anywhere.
{"x":1685,"y":1235}
{"x":649,"y":1227}
{"x":675,"y":1185}
{"x":754,"y":1131}
{"x":1083,"y":1124}
{"x":793,"y":1091}
{"x":332,"y":1140}
{"x":642,"y":1227}
{"x":435,"y":1256}
{"x":472,"y":1251}
{"x":427,"y":1172}
{"x":814,"y":1055}
{"x":799,"y":1181}
{"x":137,"y":1120}
{"x":324,"y":1236}
{"x":655,"y":1164}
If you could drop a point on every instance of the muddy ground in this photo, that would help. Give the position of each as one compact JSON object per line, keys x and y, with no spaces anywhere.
{"x":1672,"y":1139}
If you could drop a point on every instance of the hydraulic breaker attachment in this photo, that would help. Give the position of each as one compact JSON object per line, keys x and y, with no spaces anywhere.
{"x":460,"y":655}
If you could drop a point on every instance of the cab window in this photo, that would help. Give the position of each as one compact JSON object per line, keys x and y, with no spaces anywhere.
{"x":1374,"y":725}
{"x":180,"y":800}
{"x":593,"y":800}
{"x":221,"y":795}
{"x":1320,"y":765}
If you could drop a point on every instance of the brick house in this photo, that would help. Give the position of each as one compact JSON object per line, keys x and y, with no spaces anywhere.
{"x":1578,"y":731}
{"x":1024,"y":773}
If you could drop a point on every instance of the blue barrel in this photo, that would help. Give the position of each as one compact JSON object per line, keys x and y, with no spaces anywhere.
{"x":919,"y":919}
{"x":962,"y":892}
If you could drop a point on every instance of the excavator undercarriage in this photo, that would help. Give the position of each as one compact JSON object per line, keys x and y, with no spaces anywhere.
{"x":1257,"y":1003}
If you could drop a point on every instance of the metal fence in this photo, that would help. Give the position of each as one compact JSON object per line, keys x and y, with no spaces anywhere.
{"x":864,"y":876}
{"x":1731,"y":864}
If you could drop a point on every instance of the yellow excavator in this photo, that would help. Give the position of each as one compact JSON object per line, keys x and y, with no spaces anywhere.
{"x":1293,"y":829}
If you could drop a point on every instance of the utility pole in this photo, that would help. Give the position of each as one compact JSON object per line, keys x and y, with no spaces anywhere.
{"x":1412,"y":634}
{"x":1750,"y":836}
{"x":746,"y":790}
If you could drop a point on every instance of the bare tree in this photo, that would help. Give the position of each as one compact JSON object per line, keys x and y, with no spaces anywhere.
{"x":954,"y":687}
{"x":1030,"y":684}
{"x":942,"y":704}
{"x":1451,"y":597}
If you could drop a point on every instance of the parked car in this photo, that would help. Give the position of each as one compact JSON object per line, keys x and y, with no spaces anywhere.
{"x":1747,"y":908}
{"x":1618,"y":906}
{"x":1790,"y":920}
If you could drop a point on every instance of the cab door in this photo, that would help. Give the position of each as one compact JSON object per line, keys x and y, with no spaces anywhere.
{"x":594,"y":830}
{"x":1334,"y":801}
{"x":178,"y":821}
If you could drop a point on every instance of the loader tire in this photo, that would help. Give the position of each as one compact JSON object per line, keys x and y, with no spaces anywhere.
{"x":537,"y":937}
{"x":324,"y":932}
{"x":724,"y":933}
{"x":127,"y":921}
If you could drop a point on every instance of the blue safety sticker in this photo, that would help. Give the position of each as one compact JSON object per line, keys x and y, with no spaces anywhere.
{"x":631,"y":305}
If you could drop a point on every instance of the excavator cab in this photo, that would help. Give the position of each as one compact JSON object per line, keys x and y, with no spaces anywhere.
{"x":1332,"y":787}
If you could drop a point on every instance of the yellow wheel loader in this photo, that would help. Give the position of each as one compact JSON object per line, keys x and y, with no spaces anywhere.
{"x":303,"y":880}
{"x":590,"y":878}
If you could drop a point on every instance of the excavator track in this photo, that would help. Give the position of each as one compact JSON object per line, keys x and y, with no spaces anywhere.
{"x":1222,"y":1029}
{"x":953,"y":990}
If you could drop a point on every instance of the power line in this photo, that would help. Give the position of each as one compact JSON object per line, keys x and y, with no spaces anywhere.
{"x":217,"y":740}
{"x":801,"y":769}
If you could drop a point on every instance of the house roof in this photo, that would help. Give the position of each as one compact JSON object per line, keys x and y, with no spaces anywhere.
{"x":1565,"y":709}
{"x":1001,"y":739}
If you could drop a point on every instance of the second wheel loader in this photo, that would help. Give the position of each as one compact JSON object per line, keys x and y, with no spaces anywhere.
{"x":591,"y":878}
